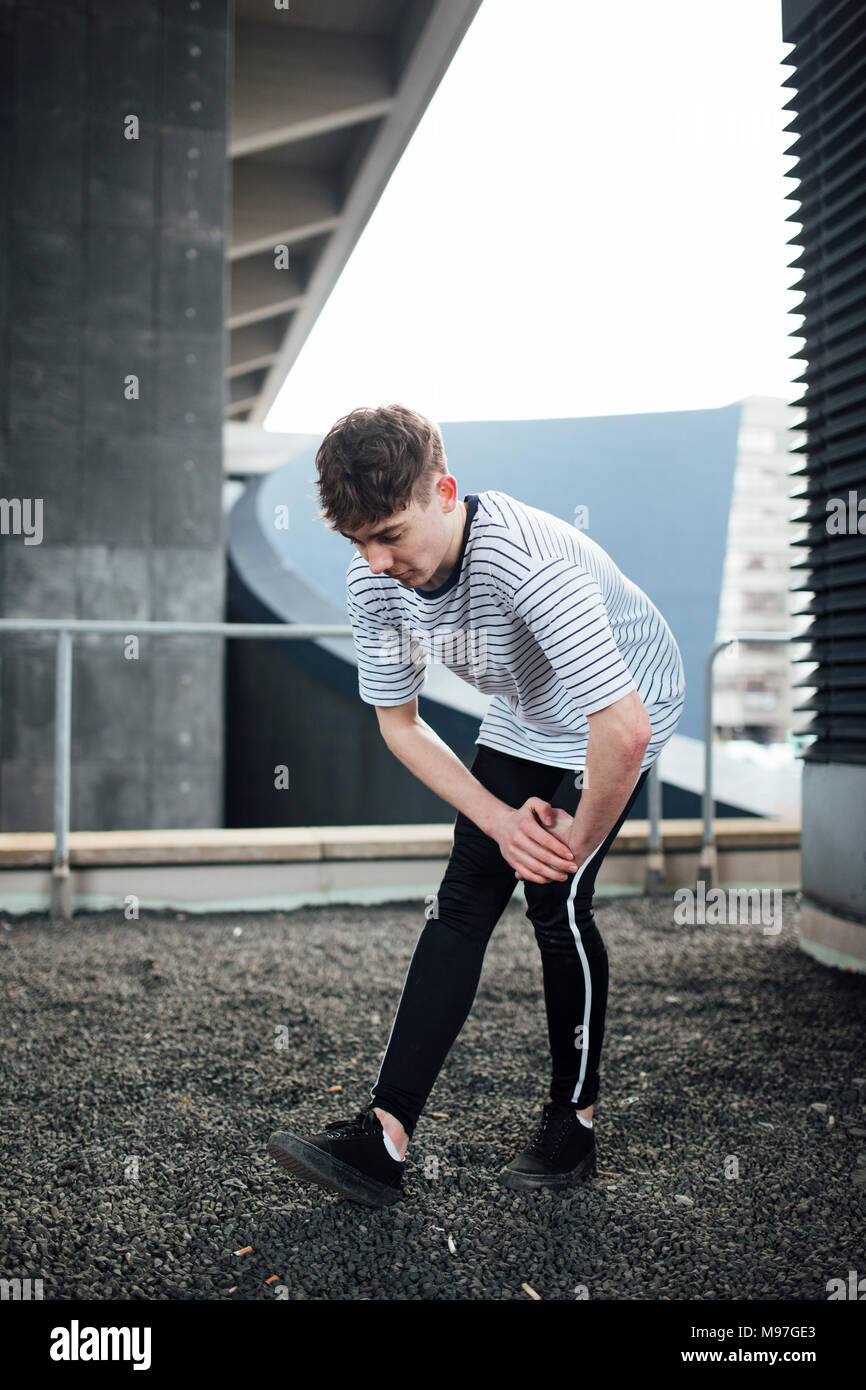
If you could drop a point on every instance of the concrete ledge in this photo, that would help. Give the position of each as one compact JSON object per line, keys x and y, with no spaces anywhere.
{"x":286,"y":844}
{"x":283,"y":844}
{"x":284,"y":868}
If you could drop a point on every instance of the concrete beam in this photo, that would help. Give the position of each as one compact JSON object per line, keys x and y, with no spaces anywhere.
{"x":430,"y":57}
{"x":275,"y":203}
{"x":260,"y":291}
{"x":255,"y":345}
{"x":292,"y":83}
{"x":243,"y":389}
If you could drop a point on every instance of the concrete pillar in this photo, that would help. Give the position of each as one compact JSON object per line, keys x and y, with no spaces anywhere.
{"x":113,"y":139}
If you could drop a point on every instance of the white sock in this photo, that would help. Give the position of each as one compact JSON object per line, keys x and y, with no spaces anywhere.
{"x":588,"y":1123}
{"x":391,"y":1147}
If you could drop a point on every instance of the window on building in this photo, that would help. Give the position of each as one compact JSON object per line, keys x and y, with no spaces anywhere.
{"x":758,"y":601}
{"x":757,"y":439}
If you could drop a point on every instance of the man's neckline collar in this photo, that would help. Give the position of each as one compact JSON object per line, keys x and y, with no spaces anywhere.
{"x":471,"y":500}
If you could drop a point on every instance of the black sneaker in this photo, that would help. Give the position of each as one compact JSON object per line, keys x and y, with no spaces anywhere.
{"x":349,"y":1157}
{"x":560,"y":1152}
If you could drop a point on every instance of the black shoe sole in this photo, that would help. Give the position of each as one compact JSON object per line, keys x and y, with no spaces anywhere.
{"x":586,"y":1168}
{"x":309,"y":1164}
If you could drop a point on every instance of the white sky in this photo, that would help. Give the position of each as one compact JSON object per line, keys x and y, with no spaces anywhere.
{"x":589,"y":220}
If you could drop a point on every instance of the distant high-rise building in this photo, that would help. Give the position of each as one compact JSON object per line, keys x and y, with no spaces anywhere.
{"x":755,"y":695}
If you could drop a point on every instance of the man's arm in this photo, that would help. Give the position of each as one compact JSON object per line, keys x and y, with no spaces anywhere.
{"x":562,"y":605}
{"x":431,"y":760}
{"x":423,"y":752}
{"x":618,"y":738}
{"x":393,"y":676}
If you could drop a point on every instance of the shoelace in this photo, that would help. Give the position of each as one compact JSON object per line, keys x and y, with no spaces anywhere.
{"x":550,"y":1129}
{"x":346,"y":1129}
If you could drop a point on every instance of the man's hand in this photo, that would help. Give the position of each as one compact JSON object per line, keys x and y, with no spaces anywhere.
{"x":560,"y":826}
{"x":560,"y":823}
{"x":531,"y":839}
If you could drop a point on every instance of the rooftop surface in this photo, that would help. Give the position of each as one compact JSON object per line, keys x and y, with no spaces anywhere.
{"x":143,"y":1081}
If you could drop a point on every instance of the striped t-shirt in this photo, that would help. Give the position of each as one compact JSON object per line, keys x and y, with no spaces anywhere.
{"x":534,"y":613}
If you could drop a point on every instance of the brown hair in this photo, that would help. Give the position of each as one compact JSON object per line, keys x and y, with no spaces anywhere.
{"x":375,"y":461}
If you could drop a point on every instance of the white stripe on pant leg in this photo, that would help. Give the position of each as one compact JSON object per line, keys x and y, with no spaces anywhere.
{"x":587,"y":978}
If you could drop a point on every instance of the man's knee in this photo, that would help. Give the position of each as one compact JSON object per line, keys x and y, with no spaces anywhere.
{"x":462,"y":914}
{"x":558,"y":929}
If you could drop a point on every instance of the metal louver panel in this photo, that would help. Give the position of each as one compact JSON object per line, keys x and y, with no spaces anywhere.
{"x":829,"y":59}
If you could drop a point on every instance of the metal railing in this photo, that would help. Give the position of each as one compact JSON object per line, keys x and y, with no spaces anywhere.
{"x":708,"y":863}
{"x":66,"y":628}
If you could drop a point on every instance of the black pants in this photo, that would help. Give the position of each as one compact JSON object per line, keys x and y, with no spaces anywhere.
{"x":443,"y":974}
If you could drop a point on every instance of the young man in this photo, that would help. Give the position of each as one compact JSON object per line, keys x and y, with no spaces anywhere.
{"x":587,"y":686}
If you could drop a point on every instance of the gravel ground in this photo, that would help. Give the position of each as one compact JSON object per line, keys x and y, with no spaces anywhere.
{"x":142,"y":1081}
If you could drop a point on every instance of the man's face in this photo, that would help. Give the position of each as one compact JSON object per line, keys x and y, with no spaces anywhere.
{"x":410,"y":545}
